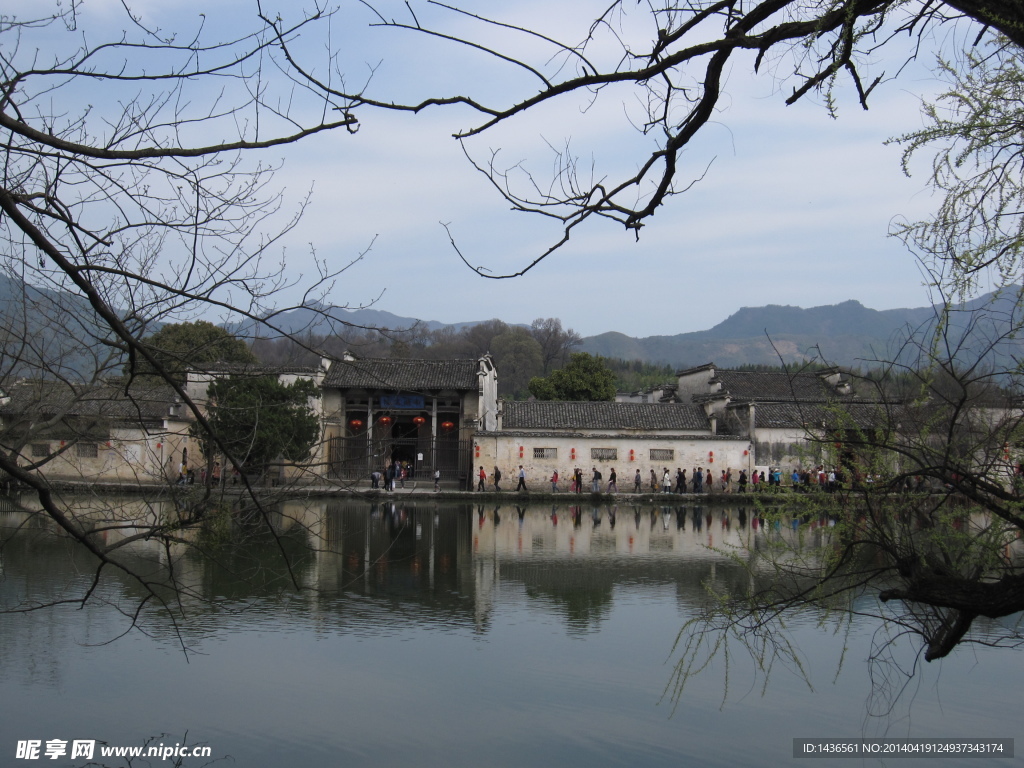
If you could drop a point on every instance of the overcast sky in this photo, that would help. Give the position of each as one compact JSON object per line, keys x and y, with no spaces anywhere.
{"x":795,"y":207}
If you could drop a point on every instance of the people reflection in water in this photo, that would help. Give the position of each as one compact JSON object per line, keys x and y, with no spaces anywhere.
{"x":681,"y":519}
{"x":611,"y":517}
{"x":742,"y":517}
{"x":497,"y":516}
{"x":554,"y":515}
{"x":398,"y":519}
{"x":521,"y":512}
{"x":595,"y":516}
{"x":698,"y":519}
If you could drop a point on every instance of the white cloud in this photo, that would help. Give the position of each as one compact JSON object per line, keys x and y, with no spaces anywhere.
{"x":795,"y":207}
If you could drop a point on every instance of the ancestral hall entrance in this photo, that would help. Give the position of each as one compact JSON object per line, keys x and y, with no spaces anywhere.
{"x":400,"y":429}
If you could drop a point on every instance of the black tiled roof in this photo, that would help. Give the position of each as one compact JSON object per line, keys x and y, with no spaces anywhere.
{"x":705,"y":367}
{"x":834,"y":416}
{"x":404,"y":375}
{"x":762,"y":385}
{"x":35,"y":398}
{"x":255,"y":369}
{"x":605,"y":415}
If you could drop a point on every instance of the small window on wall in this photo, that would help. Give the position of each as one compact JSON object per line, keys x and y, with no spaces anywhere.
{"x":662,"y":454}
{"x":40,"y":450}
{"x":88,"y":450}
{"x":545,"y":453}
{"x":604,"y":454}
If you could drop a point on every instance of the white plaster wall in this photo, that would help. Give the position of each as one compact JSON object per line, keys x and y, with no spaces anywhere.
{"x":130,"y":455}
{"x":487,"y":396}
{"x":793,"y":449}
{"x":503,"y":450}
{"x":695,"y":383}
{"x":196,"y":386}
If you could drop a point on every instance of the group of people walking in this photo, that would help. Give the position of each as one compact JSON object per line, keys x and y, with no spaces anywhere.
{"x":576,"y":482}
{"x":187,"y":475}
{"x":394,"y":474}
{"x":699,"y":480}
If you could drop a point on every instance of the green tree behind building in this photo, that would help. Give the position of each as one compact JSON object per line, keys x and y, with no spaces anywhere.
{"x":585,"y":378}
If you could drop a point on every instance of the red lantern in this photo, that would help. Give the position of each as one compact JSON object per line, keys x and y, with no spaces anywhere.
{"x":572,"y":454}
{"x":356,"y":424}
{"x":447,"y":426}
{"x":632,"y":454}
{"x":385,"y":420}
{"x":746,"y":453}
{"x":419,"y":421}
{"x":521,"y":449}
{"x":477,"y":447}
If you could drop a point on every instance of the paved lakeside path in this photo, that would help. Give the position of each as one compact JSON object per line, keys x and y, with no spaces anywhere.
{"x":422,"y":490}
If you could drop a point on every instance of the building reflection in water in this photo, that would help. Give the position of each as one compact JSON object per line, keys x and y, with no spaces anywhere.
{"x":370,"y":568}
{"x":456,"y":564}
{"x":459,"y":560}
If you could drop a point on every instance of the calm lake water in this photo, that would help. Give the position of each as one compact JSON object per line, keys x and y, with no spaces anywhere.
{"x":436,"y":634}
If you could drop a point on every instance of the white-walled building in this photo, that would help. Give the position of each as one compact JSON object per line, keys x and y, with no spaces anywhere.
{"x":96,"y":432}
{"x":444,"y":414}
{"x":787,"y":417}
{"x":547,"y":436}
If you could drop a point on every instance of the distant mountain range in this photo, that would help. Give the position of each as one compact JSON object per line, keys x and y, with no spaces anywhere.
{"x":49,"y":333}
{"x":326,"y":320}
{"x":848,"y":334}
{"x":842,"y":333}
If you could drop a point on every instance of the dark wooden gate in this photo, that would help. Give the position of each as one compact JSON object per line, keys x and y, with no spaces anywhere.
{"x":354,"y":458}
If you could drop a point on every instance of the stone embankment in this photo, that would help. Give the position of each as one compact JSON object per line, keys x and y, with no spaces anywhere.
{"x":448,"y":492}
